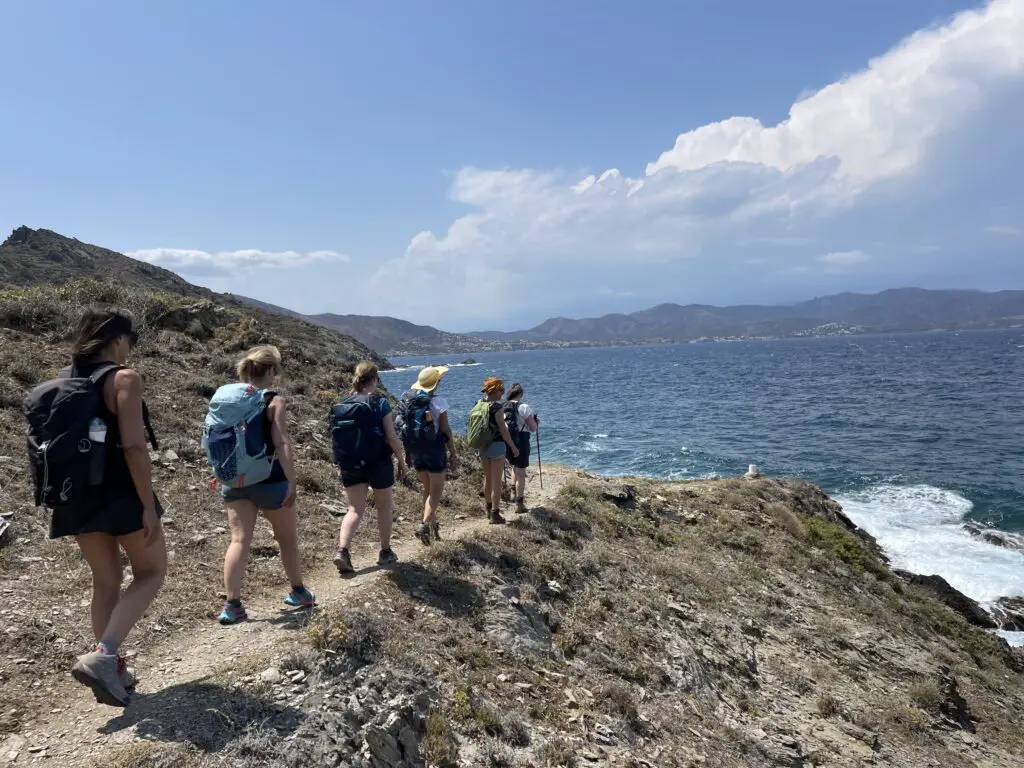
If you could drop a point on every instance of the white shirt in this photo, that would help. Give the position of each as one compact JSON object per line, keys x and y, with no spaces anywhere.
{"x":438,"y":405}
{"x":523,"y":413}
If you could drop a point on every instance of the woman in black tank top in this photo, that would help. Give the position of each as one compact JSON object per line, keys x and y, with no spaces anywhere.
{"x":122,"y":514}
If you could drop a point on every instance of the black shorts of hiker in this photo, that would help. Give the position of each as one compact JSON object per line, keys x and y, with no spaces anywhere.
{"x":363,"y":442}
{"x":522,"y":422}
{"x":87,"y":442}
{"x":250,"y":452}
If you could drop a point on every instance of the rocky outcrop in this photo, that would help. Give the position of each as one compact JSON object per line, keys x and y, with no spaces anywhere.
{"x":995,"y":538}
{"x":1009,"y":613}
{"x":942,"y":591}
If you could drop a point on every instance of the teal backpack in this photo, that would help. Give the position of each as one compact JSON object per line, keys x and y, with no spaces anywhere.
{"x":236,"y":436}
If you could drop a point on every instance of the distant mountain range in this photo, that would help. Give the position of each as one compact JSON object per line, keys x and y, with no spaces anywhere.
{"x":33,"y":256}
{"x":897,"y":310}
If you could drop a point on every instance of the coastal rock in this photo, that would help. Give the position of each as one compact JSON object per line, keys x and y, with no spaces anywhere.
{"x":941,"y":590}
{"x":954,"y":706}
{"x":994,"y":537}
{"x":1009,"y":613}
{"x":620,"y":495}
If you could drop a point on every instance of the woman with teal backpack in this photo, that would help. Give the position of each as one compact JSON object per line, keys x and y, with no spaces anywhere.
{"x":248,"y":446}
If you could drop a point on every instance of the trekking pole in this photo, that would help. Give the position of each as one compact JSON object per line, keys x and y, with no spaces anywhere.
{"x":540,"y":466}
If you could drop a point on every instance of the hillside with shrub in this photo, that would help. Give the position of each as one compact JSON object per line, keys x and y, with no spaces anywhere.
{"x":619,"y":622}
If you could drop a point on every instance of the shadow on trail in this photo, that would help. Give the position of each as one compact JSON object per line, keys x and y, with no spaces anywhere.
{"x":202,"y":714}
{"x":454,"y":597}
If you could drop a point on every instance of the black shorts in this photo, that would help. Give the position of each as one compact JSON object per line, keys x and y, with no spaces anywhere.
{"x":523,"y":460}
{"x":380,"y":475}
{"x":113,"y":512}
{"x":433,"y":460}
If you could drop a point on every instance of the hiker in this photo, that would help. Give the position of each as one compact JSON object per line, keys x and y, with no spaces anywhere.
{"x":87,"y":437}
{"x":522,"y":422}
{"x":363,"y":440}
{"x":422,"y":424}
{"x":489,"y":435}
{"x":250,"y":451}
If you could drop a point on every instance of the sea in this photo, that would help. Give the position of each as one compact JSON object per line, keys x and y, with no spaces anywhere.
{"x":916,"y":435}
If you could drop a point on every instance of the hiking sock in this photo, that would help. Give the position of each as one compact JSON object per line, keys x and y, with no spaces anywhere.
{"x":235,"y":602}
{"x":109,"y":647}
{"x":298,"y":588}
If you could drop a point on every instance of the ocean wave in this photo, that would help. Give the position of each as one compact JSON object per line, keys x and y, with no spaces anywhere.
{"x":599,"y":436}
{"x":920,"y":528}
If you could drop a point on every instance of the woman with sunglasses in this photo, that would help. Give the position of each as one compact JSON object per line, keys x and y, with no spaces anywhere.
{"x":122,"y":513}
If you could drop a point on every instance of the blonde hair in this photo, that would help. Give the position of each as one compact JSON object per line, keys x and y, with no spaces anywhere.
{"x":258,"y":362}
{"x":365,"y":373}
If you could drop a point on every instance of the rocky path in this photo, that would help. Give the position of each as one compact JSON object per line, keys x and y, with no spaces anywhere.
{"x":77,"y":730}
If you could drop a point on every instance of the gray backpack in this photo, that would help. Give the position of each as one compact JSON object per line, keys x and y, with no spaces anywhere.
{"x":66,"y":463}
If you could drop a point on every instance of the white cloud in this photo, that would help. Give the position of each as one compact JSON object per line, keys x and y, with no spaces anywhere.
{"x":1002,"y":229}
{"x":877,"y":122}
{"x":226,"y":263}
{"x":903,"y":152}
{"x":844,"y":258}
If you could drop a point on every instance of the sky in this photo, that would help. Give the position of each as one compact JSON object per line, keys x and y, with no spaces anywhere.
{"x":482,"y":165}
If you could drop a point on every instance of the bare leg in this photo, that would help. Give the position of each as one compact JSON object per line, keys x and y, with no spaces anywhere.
{"x":149,"y":567}
{"x":104,"y":558}
{"x":356,"y":507}
{"x":436,"y":486}
{"x":425,"y":493}
{"x":384,"y":500}
{"x":494,"y":470}
{"x":242,"y":521}
{"x":488,"y":482}
{"x":285,"y":525}
{"x":520,"y":483}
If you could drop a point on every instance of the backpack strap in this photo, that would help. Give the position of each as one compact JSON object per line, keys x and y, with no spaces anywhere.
{"x":99,"y":375}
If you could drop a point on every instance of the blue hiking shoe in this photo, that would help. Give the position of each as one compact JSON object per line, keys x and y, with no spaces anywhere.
{"x":300,"y":598}
{"x":232,"y":614}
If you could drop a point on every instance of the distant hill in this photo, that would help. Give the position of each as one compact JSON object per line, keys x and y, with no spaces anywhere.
{"x":40,"y":257}
{"x":388,"y":335}
{"x":897,"y":310}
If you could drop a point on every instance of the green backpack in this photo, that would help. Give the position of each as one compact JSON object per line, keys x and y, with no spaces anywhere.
{"x":481,"y":432}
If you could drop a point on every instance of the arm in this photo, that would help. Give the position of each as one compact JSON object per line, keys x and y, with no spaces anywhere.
{"x":127,"y":386}
{"x":532,"y":423}
{"x":446,"y":430}
{"x":503,"y":431}
{"x":284,"y":451}
{"x":392,"y":437}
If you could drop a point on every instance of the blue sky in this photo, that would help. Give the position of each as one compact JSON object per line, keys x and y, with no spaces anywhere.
{"x":487,"y":165}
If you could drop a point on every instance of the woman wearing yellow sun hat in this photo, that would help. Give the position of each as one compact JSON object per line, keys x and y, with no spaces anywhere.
{"x":422,"y":422}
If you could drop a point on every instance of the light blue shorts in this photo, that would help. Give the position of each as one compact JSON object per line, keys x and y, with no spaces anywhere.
{"x":494,"y":451}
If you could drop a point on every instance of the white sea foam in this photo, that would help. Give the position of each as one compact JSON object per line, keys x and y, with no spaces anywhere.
{"x":599,"y":436}
{"x":920,"y":528}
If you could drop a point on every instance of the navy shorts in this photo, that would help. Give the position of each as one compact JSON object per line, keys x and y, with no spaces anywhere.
{"x":380,"y":475}
{"x":265,"y":495}
{"x":523,"y":460}
{"x":433,"y":460}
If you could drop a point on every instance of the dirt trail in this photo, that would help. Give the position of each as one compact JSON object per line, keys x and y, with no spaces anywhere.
{"x":77,"y":729}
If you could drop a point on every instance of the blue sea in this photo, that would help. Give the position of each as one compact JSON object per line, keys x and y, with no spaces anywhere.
{"x":914,"y":434}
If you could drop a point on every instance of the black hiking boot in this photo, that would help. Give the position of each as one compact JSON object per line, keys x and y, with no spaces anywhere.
{"x":495,"y":518}
{"x":387,"y":557}
{"x":521,"y":506}
{"x":423,"y":534}
{"x":343,"y":562}
{"x":435,"y":531}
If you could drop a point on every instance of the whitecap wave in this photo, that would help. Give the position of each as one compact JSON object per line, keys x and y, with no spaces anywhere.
{"x":920,"y":527}
{"x":599,"y":436}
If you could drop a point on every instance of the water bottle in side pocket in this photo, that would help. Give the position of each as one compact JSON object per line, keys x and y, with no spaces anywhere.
{"x":97,"y":451}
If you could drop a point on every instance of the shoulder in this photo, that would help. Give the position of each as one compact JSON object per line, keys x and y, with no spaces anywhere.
{"x":275,"y":402}
{"x":125,"y":380}
{"x":439,"y":404}
{"x":383,"y":405}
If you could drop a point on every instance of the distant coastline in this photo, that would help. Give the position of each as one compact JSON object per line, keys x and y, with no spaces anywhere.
{"x":829,"y":330}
